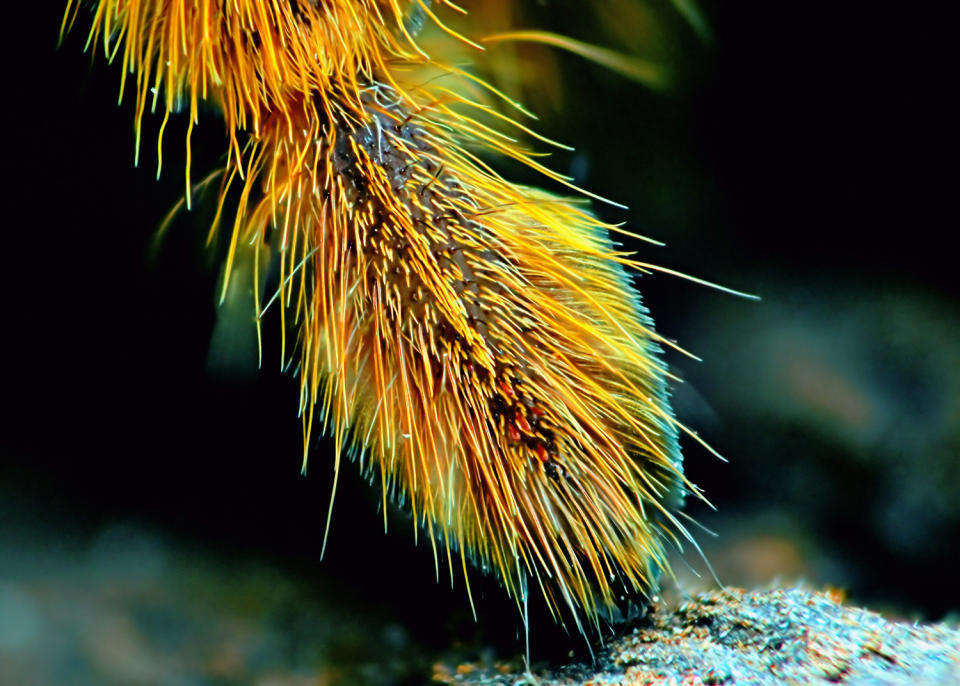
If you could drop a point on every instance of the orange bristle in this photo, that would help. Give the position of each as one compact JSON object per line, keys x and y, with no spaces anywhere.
{"x":477,"y":344}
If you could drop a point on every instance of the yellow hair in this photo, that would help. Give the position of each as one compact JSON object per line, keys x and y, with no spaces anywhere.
{"x":474,"y":343}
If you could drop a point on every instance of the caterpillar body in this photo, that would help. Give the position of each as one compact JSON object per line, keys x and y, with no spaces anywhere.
{"x":475,"y":344}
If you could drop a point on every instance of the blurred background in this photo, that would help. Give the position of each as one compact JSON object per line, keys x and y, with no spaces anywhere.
{"x":153,"y":518}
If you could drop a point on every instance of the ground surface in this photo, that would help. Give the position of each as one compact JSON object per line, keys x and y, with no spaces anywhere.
{"x":134,"y":607}
{"x":772,"y":637}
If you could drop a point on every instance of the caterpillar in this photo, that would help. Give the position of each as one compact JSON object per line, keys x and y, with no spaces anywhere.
{"x":475,"y":344}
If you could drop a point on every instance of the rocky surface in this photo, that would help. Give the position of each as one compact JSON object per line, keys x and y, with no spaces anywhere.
{"x":131,"y":606}
{"x":734,"y":637}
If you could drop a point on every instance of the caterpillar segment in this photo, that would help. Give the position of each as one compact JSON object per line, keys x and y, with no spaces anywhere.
{"x":475,"y":344}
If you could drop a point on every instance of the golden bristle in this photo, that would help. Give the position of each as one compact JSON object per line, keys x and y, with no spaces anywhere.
{"x":475,"y":343}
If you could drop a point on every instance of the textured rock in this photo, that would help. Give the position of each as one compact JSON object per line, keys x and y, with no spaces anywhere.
{"x":737,"y":637}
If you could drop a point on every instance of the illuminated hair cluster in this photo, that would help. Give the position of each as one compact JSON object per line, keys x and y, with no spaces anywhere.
{"x":475,"y":344}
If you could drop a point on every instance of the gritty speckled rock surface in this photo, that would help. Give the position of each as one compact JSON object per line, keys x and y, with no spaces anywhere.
{"x":735,"y":637}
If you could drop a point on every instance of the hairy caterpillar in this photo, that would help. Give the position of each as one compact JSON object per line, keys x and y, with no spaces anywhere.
{"x":474,"y":343}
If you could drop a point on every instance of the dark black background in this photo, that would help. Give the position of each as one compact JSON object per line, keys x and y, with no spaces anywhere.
{"x":810,"y":144}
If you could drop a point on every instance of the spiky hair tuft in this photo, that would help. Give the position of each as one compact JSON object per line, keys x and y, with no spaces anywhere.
{"x":475,"y":343}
